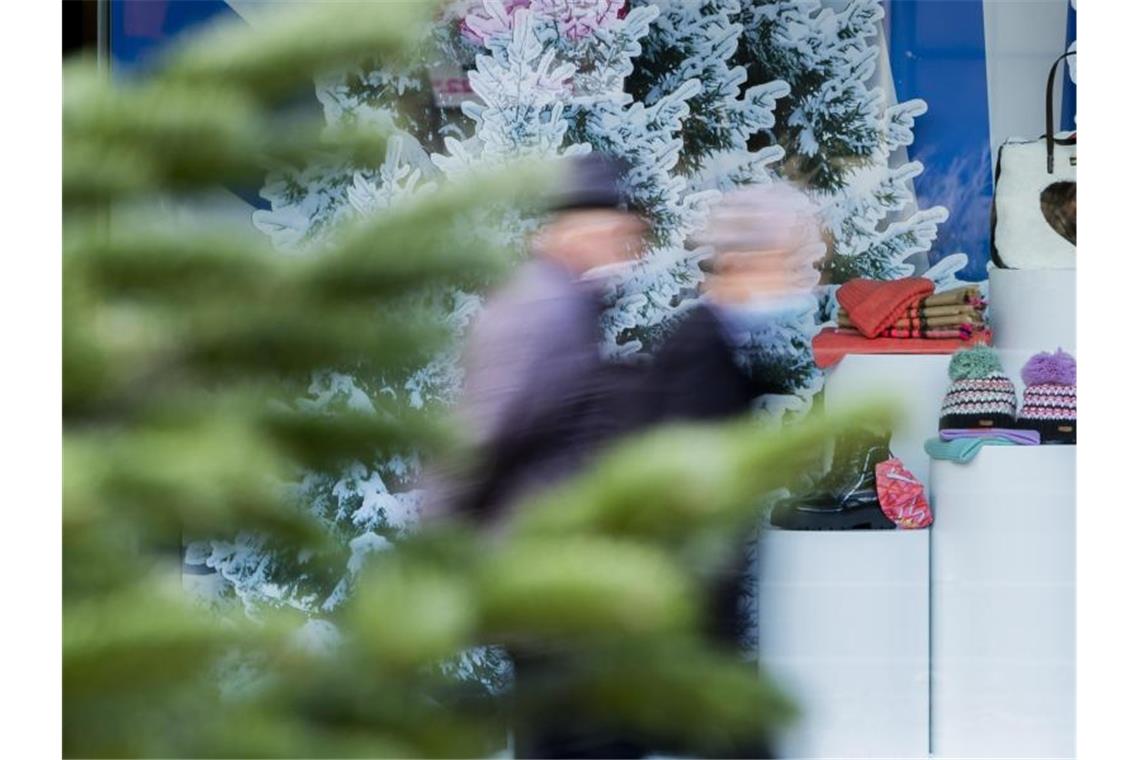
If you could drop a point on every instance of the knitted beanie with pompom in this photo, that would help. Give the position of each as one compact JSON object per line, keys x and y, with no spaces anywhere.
{"x":1050,"y":396}
{"x":981,"y":395}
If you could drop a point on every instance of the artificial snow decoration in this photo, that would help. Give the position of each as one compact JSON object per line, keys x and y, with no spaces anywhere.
{"x":481,"y":23}
{"x":943,"y":274}
{"x":317,"y":637}
{"x":838,"y":135}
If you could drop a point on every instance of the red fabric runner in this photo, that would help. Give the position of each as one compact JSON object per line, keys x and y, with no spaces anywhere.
{"x":829,"y":346}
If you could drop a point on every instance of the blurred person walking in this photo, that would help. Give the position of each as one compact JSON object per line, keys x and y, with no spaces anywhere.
{"x":539,"y":399}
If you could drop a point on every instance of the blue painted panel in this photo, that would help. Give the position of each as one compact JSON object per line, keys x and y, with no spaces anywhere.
{"x":1069,"y":92}
{"x":141,"y":29}
{"x":938,"y":53}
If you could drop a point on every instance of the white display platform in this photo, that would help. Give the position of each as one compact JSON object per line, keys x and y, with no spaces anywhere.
{"x":915,"y":382}
{"x":844,"y":628}
{"x":1033,"y":310}
{"x":1003,"y":604}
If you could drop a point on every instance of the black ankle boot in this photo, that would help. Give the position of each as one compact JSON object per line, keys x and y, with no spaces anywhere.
{"x":845,"y":498}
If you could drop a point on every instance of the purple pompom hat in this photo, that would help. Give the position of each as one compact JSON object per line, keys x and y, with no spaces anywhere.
{"x":1049,"y":405}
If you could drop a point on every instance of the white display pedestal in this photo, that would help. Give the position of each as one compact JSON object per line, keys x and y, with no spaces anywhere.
{"x":844,"y":628}
{"x":916,"y":383}
{"x":1003,"y":604}
{"x":1033,"y":310}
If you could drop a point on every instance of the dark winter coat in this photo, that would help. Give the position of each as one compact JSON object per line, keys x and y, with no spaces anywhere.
{"x":538,"y":398}
{"x":541,"y":401}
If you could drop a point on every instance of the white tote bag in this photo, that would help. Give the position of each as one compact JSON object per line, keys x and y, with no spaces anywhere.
{"x":1035,"y":187}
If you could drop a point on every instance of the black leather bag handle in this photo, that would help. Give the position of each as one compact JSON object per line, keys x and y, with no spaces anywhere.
{"x":1050,"y":138}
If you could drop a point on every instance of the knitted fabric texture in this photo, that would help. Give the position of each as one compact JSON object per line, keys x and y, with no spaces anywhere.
{"x":980,"y":393}
{"x":901,"y":495}
{"x":962,"y":450}
{"x":1050,"y":403}
{"x":1059,"y":368}
{"x":1012,"y":435}
{"x":967,"y":294}
{"x":977,"y":362}
{"x":874,"y":306}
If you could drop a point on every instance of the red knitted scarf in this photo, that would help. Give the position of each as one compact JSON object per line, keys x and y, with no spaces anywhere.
{"x":874,"y":306}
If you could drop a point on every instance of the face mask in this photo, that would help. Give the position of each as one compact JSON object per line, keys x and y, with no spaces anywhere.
{"x":761,"y":309}
{"x":609,"y":272}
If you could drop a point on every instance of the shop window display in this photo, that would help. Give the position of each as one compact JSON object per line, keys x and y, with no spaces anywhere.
{"x":894,"y":115}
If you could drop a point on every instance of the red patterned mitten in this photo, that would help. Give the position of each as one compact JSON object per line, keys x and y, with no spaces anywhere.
{"x":901,"y":496}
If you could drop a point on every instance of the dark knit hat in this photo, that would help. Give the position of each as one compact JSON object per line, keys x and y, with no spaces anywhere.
{"x":593,"y":180}
{"x":980,"y":393}
{"x":1050,"y":405}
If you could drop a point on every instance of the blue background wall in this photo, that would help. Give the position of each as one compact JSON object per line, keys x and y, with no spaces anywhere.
{"x":140,"y":28}
{"x":938,"y":53}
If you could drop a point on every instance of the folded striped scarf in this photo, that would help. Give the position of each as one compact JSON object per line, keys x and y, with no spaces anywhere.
{"x":939,"y":310}
{"x":874,"y":305}
{"x":916,"y":322}
{"x":962,"y":332}
{"x":968,"y":294}
{"x":947,"y":321}
{"x":923,"y":310}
